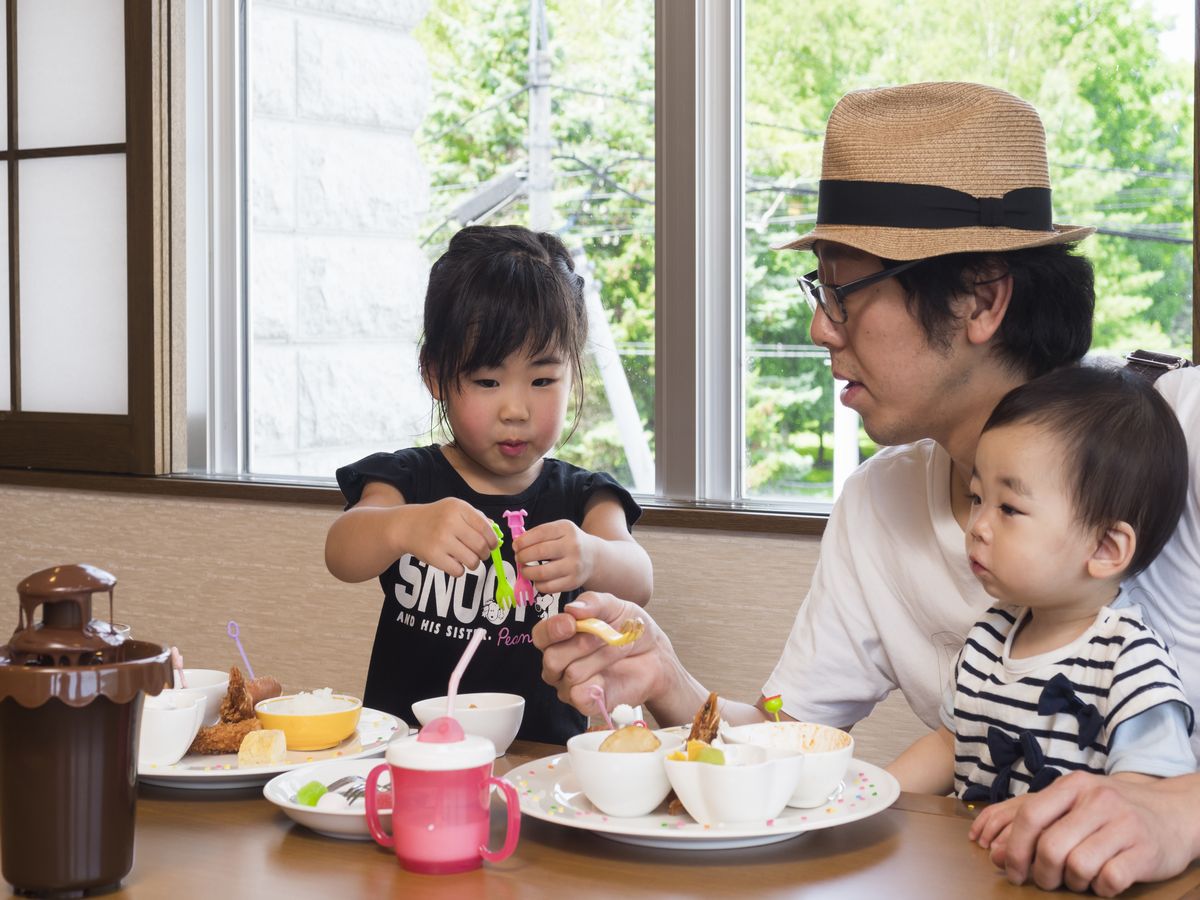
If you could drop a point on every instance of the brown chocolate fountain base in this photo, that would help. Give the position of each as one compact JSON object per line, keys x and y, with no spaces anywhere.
{"x":67,"y":795}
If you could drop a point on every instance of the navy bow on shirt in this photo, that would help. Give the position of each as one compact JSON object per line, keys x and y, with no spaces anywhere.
{"x":1006,"y":752}
{"x":1059,"y":696}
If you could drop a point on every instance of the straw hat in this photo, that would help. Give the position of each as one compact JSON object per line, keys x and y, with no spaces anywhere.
{"x":927,"y":169}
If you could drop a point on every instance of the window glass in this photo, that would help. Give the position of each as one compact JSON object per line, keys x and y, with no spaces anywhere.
{"x":1113,"y":82}
{"x":372,"y":138}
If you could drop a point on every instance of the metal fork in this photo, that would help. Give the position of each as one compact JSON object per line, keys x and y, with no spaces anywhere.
{"x":358,"y":791}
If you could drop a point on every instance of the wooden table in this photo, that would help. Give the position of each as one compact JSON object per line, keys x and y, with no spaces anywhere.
{"x":234,"y":844}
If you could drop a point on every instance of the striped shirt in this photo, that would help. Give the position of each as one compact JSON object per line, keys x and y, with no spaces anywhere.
{"x":1019,"y":723}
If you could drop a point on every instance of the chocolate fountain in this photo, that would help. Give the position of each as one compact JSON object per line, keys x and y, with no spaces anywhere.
{"x":70,"y":699}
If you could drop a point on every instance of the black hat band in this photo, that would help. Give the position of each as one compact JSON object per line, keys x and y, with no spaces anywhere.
{"x":892,"y":205}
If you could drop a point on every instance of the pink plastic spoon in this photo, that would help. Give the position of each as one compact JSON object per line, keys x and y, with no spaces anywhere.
{"x":597,"y":694}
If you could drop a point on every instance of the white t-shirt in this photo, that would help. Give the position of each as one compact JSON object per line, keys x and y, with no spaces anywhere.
{"x":893,"y":597}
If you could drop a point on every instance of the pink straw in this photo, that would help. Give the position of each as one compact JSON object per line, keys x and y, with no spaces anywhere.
{"x":597,"y":694}
{"x":456,"y":675}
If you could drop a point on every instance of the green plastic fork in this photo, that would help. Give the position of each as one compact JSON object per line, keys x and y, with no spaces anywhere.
{"x":505,"y":595}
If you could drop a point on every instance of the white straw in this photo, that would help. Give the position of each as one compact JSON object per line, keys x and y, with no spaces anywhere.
{"x":456,"y":675}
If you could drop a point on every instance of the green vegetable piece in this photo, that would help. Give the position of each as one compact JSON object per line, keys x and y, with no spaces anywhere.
{"x":310,"y":793}
{"x":711,"y":755}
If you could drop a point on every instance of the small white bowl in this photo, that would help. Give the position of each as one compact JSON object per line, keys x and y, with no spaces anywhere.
{"x":169,"y":724}
{"x":348,"y":824}
{"x":496,"y":717}
{"x":827,"y":752}
{"x":621,"y":784}
{"x":213,"y":683}
{"x":748,"y":788}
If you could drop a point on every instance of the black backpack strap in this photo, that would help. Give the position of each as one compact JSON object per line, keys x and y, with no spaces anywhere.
{"x":1149,"y":364}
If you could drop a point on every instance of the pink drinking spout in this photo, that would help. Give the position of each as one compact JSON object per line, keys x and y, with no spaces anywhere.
{"x":442,"y":730}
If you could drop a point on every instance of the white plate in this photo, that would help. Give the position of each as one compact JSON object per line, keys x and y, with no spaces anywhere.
{"x":220,"y":771}
{"x":348,"y":824}
{"x":549,"y":791}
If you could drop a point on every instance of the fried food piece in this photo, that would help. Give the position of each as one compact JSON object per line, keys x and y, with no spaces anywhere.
{"x":630,"y":631}
{"x":630,"y":739}
{"x":707,"y":721}
{"x":224,"y":737}
{"x":238,"y":705}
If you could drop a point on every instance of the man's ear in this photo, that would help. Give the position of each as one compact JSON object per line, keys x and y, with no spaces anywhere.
{"x":1114,"y":551}
{"x":987,"y":304}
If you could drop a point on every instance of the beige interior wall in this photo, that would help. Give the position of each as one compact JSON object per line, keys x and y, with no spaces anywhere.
{"x":187,"y":566}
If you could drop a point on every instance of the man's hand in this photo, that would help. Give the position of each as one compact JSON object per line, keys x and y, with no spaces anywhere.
{"x":572,"y":663}
{"x":1090,"y":831}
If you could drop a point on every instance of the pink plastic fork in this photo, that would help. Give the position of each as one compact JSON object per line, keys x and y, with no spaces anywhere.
{"x":516,"y":526}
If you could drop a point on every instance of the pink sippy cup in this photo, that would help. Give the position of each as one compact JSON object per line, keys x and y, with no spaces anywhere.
{"x":441,"y":792}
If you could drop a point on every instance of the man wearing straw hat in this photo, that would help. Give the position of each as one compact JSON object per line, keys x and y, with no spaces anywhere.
{"x":942,"y":282}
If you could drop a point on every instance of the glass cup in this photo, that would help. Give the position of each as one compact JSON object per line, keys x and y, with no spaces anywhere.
{"x":441,"y":793}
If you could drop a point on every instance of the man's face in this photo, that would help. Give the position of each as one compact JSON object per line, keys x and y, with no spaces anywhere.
{"x":898,"y":382}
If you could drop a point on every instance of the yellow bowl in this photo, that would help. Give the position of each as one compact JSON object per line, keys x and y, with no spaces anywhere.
{"x":310,"y":731}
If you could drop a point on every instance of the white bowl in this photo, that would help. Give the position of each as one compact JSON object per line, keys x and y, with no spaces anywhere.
{"x":169,"y":725}
{"x":496,"y":717}
{"x":621,"y":784}
{"x":213,"y":683}
{"x":349,"y":824}
{"x":748,"y":788}
{"x":827,"y":752}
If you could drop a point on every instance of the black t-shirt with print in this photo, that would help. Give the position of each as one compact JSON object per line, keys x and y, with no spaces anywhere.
{"x":428,"y":617}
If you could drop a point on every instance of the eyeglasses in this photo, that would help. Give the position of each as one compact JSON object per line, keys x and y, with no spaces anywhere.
{"x":832,"y":298}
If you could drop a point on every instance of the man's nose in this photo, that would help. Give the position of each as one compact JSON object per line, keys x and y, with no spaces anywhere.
{"x":823,"y":331}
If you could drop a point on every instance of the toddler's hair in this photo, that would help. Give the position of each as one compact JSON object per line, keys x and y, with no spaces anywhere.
{"x":496,"y":290}
{"x":1125,"y":456}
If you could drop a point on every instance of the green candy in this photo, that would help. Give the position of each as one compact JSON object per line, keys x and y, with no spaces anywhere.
{"x":310,"y":793}
{"x":711,"y":755}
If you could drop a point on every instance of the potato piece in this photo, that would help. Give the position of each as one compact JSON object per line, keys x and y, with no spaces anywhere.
{"x":630,"y":739}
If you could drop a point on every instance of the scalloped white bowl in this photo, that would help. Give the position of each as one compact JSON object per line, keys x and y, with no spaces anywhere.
{"x":750,"y":787}
{"x":826,"y":750}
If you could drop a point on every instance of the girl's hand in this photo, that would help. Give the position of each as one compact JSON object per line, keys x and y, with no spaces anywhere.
{"x":565,"y":551}
{"x":450,"y":534}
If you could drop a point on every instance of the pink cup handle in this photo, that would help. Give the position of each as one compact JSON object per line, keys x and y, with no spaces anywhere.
{"x":373,"y":822}
{"x":512,"y":829}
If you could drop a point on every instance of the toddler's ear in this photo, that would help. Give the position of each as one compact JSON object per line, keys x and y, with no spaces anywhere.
{"x":1114,"y":551}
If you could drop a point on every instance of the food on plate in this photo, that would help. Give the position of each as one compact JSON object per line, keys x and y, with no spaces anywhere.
{"x":630,"y":739}
{"x":238,"y":705}
{"x":224,"y":737}
{"x":707,"y":721}
{"x":264,"y":687}
{"x":705,"y":726}
{"x":310,"y":793}
{"x":699,"y":751}
{"x":311,"y":703}
{"x":237,"y":719}
{"x":263,"y":747}
{"x":630,"y":631}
